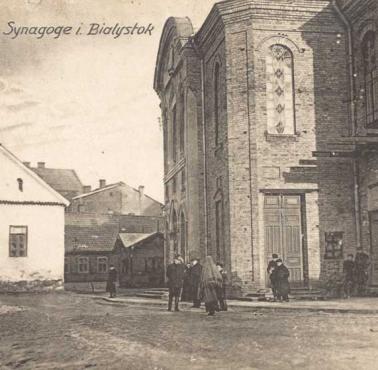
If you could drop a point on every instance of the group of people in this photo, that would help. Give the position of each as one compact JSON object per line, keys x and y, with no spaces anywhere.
{"x":196,"y":283}
{"x":279,"y":279}
{"x":355,"y":271}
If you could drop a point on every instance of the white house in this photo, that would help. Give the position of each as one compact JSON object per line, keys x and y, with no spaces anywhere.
{"x":31,"y":229}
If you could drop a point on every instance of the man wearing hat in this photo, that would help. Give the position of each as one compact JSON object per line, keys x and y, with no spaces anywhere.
{"x":175,"y":276}
{"x":361,"y":265}
{"x":271,"y":266}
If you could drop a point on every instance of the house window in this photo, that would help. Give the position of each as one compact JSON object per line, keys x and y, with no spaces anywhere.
{"x":216,"y":103}
{"x":102,"y":265}
{"x":280,"y":91}
{"x":370,"y":79}
{"x":20,"y":184}
{"x":333,"y":245}
{"x":18,"y":241}
{"x":174,"y":134}
{"x":83,"y":265}
{"x":66,"y":265}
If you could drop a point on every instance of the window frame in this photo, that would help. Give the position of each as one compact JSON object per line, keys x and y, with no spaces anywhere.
{"x":26,"y":234}
{"x":101,"y":263}
{"x":79,"y":263}
{"x":278,"y":104}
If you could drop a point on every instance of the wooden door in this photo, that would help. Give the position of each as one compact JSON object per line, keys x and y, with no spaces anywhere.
{"x":374,"y":247}
{"x":283,"y":234}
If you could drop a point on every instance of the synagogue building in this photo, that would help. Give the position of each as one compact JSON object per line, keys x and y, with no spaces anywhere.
{"x":270,"y":116}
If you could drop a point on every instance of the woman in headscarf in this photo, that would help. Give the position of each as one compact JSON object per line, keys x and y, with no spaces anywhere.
{"x":211,"y":282}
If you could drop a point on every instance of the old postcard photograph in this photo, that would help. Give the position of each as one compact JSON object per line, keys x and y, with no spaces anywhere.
{"x":189,"y":184}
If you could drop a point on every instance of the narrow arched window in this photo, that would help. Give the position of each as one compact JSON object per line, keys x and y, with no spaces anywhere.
{"x":182,"y":123}
{"x":216,"y":103}
{"x":370,"y":79}
{"x":280,"y":90}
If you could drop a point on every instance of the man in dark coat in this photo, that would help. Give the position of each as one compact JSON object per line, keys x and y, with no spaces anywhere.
{"x":221,"y":292}
{"x":348,"y":270}
{"x":271,"y":266}
{"x":281,"y":276}
{"x":175,"y":275}
{"x":361,"y":263}
{"x":195,"y":276}
{"x":112,"y":278}
{"x":186,"y":295}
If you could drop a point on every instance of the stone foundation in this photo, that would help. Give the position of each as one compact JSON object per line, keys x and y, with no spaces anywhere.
{"x":26,"y":286}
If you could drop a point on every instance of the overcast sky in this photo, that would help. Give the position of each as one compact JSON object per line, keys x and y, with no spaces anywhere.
{"x":87,"y":102}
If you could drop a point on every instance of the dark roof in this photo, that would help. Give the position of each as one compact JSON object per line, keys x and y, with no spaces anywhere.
{"x":64,"y":181}
{"x":94,"y":238}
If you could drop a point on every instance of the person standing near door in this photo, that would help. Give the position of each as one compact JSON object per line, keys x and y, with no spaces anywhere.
{"x":281,"y":277}
{"x":270,"y":269}
{"x":362,"y":263}
{"x":348,"y":270}
{"x":175,"y":276}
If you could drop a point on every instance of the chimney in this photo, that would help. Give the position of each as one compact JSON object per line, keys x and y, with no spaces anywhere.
{"x":27,"y":164}
{"x":141,"y":191}
{"x":41,"y":164}
{"x":87,"y":189}
{"x":102,"y":183}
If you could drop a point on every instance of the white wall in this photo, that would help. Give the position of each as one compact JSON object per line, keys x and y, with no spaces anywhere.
{"x":45,"y":249}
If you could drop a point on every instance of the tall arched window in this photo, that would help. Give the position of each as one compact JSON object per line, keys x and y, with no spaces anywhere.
{"x":174,"y":233}
{"x":216,"y":102}
{"x":280,"y":90}
{"x":371,"y":79}
{"x":174,"y":134}
{"x":183,"y":237}
{"x":182,"y":123}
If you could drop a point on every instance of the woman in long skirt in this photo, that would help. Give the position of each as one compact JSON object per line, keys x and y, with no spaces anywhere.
{"x":211,"y":282}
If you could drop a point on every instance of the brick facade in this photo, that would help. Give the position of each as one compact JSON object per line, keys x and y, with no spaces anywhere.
{"x":245,"y":163}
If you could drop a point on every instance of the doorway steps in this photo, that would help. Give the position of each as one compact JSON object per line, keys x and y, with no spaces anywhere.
{"x":154,"y":293}
{"x":296,"y":294}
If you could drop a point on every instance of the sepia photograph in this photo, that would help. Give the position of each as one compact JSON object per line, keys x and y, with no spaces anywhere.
{"x":189,"y":184}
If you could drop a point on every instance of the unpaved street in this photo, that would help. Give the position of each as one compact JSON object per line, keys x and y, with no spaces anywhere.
{"x":68,"y":331}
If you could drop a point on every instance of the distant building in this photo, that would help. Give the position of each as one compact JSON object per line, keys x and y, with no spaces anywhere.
{"x":118,"y":198}
{"x":94,"y":241}
{"x":65,"y":181}
{"x":31,"y":229}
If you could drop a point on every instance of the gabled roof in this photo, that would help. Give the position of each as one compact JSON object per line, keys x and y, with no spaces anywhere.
{"x":95,"y":238}
{"x":99,"y":190}
{"x":132,"y":239}
{"x":112,"y":186}
{"x":62,"y":180}
{"x":51,"y":195}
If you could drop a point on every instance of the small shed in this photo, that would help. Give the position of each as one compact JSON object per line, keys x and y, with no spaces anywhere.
{"x":140,"y":259}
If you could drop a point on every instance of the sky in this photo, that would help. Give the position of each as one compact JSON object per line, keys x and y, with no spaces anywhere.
{"x":87,"y":101}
